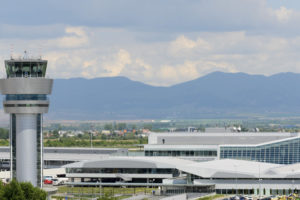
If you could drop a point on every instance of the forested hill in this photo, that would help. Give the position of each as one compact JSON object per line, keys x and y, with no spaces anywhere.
{"x":215,"y":95}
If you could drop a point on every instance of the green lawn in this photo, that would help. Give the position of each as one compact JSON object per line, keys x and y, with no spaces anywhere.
{"x":105,"y":190}
{"x":212,"y":197}
{"x":70,"y":142}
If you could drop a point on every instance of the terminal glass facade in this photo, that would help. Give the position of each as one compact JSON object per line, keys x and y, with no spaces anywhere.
{"x":123,"y":170}
{"x":281,"y":152}
{"x":185,"y":153}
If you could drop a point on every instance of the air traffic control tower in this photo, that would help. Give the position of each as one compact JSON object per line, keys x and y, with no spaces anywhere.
{"x":26,"y":88}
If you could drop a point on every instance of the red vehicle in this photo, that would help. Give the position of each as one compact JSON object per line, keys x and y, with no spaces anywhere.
{"x":48,"y":181}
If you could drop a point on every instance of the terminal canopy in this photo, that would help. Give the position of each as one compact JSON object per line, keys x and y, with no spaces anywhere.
{"x":26,"y":68}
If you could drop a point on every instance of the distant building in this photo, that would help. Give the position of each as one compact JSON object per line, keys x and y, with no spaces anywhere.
{"x":55,"y":157}
{"x":192,"y":129}
{"x":106,"y":132}
{"x":218,"y":130}
{"x":280,"y":148}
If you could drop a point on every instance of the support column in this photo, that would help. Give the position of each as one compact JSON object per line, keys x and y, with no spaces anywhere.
{"x":26,"y":155}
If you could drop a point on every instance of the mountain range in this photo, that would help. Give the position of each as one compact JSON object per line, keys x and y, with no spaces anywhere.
{"x":216,"y":95}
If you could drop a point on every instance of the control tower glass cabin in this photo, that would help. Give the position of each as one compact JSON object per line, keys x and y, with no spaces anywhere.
{"x":26,"y":88}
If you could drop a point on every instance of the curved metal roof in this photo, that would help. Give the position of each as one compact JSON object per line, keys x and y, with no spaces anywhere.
{"x":226,"y":168}
{"x":130,"y":162}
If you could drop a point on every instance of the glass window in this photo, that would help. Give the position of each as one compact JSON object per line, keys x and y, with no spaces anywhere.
{"x":25,"y":68}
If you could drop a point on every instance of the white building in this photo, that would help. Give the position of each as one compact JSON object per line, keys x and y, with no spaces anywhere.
{"x":278,"y":147}
{"x":224,"y":176}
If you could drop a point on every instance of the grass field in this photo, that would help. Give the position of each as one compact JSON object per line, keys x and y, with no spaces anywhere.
{"x":104,"y":190}
{"x":212,"y":197}
{"x":89,"y":197}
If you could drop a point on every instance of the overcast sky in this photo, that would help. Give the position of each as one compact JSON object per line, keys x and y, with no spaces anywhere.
{"x":159,"y":42}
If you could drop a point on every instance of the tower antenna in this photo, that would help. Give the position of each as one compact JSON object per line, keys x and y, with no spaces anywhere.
{"x":40,"y":52}
{"x":11,"y":51}
{"x":25,"y":55}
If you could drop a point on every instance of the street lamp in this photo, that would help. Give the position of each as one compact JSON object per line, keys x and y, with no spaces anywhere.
{"x":293,"y":182}
{"x":235,"y":179}
{"x":91,"y":139}
{"x":91,"y":135}
{"x":259,"y":180}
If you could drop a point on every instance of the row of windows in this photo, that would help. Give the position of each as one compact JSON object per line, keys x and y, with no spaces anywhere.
{"x":25,"y":69}
{"x":122,"y":170}
{"x":18,"y":97}
{"x":204,"y":153}
{"x":26,"y":105}
{"x":286,"y":152}
{"x":256,"y":191}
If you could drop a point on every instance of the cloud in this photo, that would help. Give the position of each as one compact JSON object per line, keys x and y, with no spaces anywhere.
{"x":169,"y":15}
{"x":160,"y":43}
{"x":182,"y":43}
{"x":283,"y":14}
{"x":189,"y":70}
{"x":99,"y":52}
{"x":76,"y":37}
{"x":117,"y":63}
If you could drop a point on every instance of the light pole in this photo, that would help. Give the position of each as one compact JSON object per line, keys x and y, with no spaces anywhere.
{"x":91,"y":135}
{"x":259,"y":180}
{"x":91,"y":139}
{"x":235,"y":180}
{"x":293,"y":182}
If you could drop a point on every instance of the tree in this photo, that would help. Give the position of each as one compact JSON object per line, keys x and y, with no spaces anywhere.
{"x":133,"y":126}
{"x":55,"y":134}
{"x":13,"y":191}
{"x":108,"y":126}
{"x":148,"y":126}
{"x":21,"y":191}
{"x":28,"y":190}
{"x":106,"y":197}
{"x":33,"y":193}
{"x":121,"y":126}
{"x":4,"y":133}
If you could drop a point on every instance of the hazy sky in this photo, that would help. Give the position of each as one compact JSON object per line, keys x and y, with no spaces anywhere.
{"x":159,"y":42}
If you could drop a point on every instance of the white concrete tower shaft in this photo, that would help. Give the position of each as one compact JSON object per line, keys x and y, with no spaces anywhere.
{"x":26,"y":147}
{"x":26,"y":90}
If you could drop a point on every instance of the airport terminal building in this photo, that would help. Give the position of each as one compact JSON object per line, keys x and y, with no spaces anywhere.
{"x":278,"y":148}
{"x":175,"y":175}
{"x":244,"y":163}
{"x":56,"y":157}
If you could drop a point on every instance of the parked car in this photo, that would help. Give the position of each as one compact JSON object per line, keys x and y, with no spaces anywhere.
{"x":59,"y":181}
{"x":47,"y":177}
{"x":48,"y":181}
